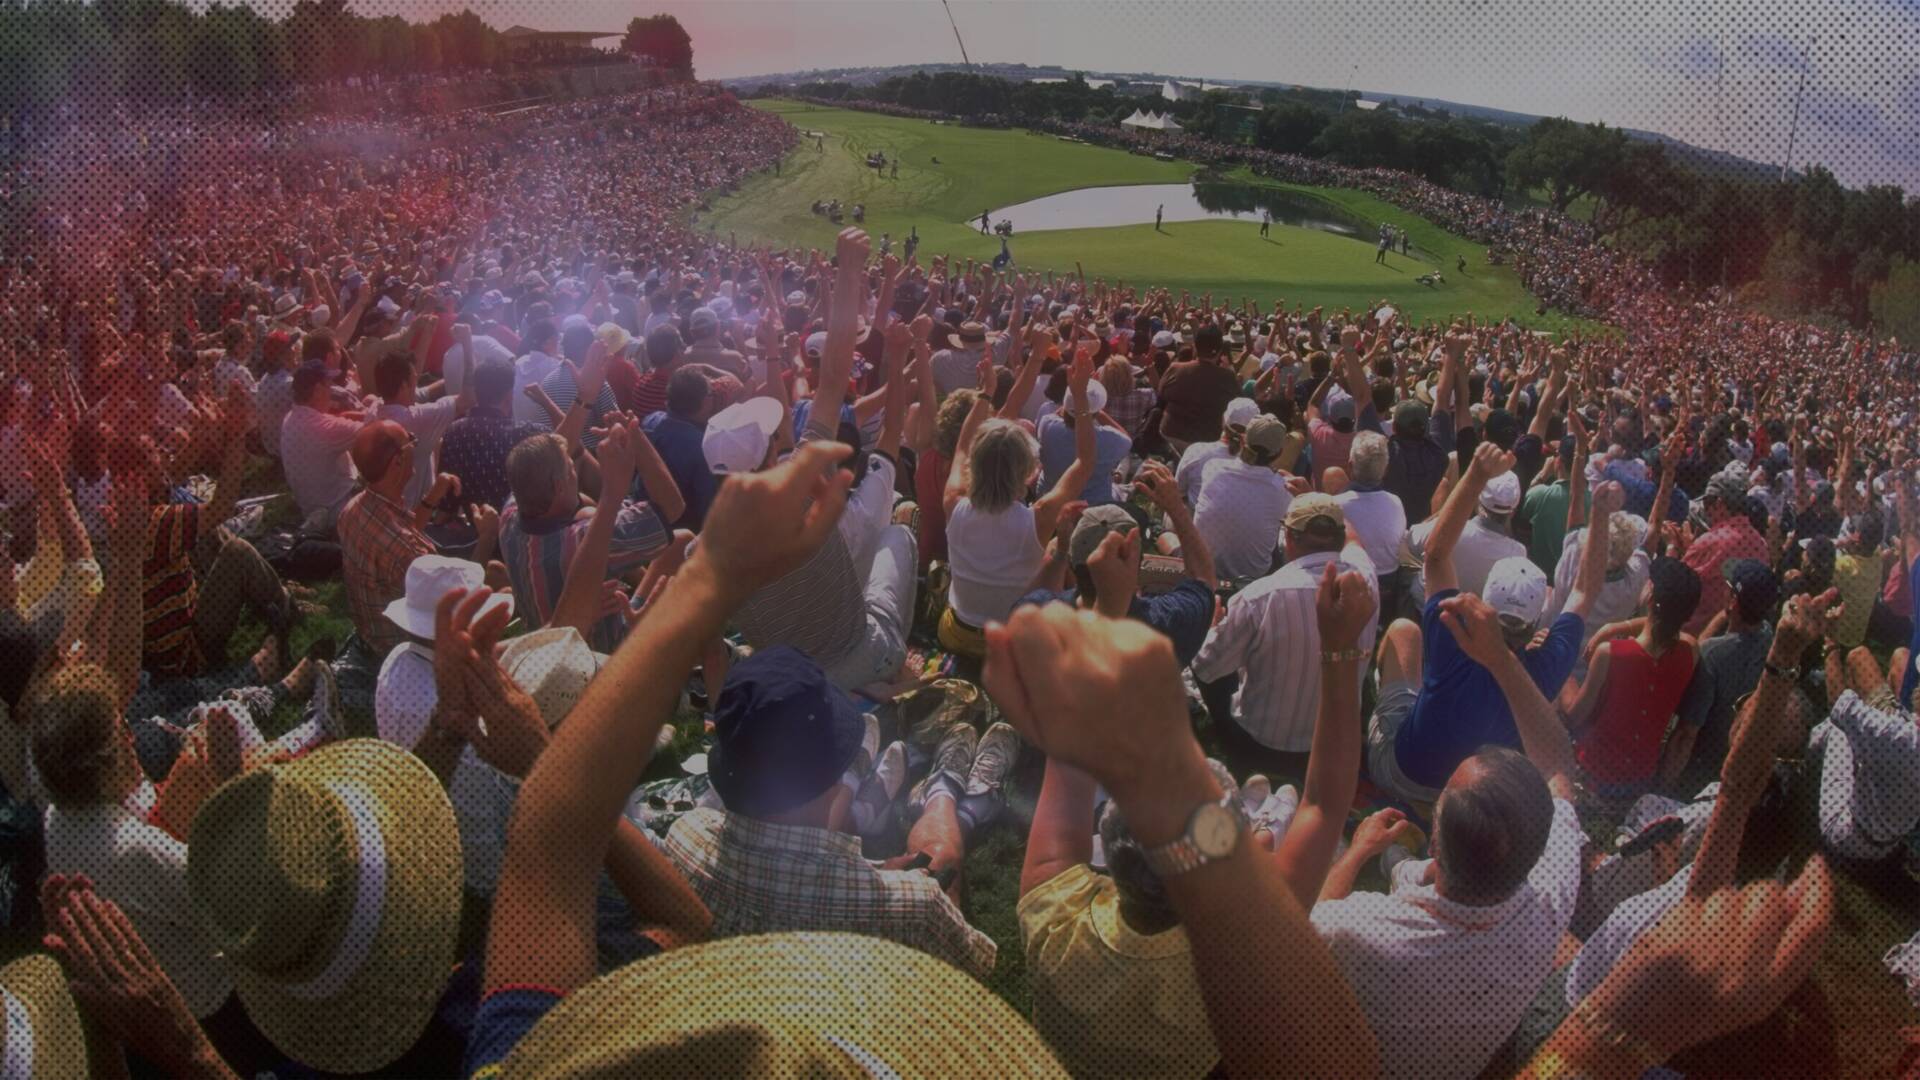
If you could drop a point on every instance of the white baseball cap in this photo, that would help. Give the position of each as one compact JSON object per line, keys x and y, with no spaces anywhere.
{"x":431,"y":577}
{"x":738,"y":436}
{"x":1502,"y":494}
{"x":1241,"y":411}
{"x":1516,"y":589}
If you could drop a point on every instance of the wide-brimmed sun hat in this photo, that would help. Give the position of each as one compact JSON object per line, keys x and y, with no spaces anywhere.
{"x":430,"y":577}
{"x":331,"y":883}
{"x":784,"y":1005}
{"x":42,"y":1036}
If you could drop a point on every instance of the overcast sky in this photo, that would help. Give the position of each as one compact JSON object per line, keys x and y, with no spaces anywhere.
{"x":1722,"y":75}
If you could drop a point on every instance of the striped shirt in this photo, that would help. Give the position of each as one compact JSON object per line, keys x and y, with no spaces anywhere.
{"x":538,"y":552}
{"x":170,"y":593}
{"x":1239,"y":513}
{"x":761,"y":878}
{"x":564,"y":388}
{"x":378,"y":541}
{"x":818,"y":608}
{"x":1271,"y":637}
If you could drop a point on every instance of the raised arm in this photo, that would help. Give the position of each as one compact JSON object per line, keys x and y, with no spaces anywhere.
{"x":583,"y":596}
{"x":960,"y":472}
{"x":1766,"y":726}
{"x":1061,"y":836}
{"x":1488,"y":462}
{"x":1038,"y":343}
{"x":1542,"y":738}
{"x":1072,"y":482}
{"x":1104,"y":695}
{"x":1159,"y":483}
{"x":1344,"y":608}
{"x":761,"y":526}
{"x":922,"y":418}
{"x":1670,"y":452}
{"x":843,"y":321}
{"x":1592,"y":576}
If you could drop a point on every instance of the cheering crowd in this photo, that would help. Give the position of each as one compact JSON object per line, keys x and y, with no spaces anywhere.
{"x":890,"y":555}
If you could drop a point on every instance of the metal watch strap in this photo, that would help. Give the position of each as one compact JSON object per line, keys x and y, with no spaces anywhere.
{"x":1181,"y":855}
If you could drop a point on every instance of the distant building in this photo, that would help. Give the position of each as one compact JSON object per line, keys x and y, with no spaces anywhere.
{"x":520,"y":40}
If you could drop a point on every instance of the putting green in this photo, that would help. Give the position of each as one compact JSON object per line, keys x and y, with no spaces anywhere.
{"x":984,"y":169}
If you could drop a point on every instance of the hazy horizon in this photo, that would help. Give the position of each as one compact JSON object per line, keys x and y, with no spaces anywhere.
{"x":1719,"y":76}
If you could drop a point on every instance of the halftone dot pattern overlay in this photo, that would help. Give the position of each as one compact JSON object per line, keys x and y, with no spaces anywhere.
{"x":1592,"y":327}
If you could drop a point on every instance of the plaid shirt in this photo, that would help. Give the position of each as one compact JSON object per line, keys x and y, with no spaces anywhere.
{"x":760,"y":878}
{"x":378,"y":541}
{"x":1130,"y":409}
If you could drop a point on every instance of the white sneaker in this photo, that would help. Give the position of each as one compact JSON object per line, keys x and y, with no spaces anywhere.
{"x":891,"y":769}
{"x":1255,"y":792}
{"x":1275,"y":814}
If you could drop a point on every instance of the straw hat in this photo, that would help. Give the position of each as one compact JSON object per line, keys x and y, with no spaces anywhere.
{"x":332,"y":885}
{"x":784,"y":1005}
{"x":554,"y":667}
{"x":42,"y":1036}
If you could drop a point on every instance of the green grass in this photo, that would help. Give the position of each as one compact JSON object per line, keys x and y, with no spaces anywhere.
{"x":989,"y":169}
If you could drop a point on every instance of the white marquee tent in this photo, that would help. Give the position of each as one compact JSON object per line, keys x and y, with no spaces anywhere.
{"x":1151,"y":121}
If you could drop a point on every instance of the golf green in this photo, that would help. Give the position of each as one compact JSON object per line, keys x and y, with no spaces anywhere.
{"x":982,"y":169}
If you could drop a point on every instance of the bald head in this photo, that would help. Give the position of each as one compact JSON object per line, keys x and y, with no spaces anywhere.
{"x":375,"y":449}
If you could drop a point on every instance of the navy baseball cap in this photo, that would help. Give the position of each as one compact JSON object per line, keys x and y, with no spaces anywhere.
{"x":1753,"y":583}
{"x":782,"y":733}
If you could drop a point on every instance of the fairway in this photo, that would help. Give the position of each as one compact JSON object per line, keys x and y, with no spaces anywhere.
{"x":983,"y":169}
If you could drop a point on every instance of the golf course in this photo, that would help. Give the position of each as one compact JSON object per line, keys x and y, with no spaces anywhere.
{"x":986,"y":170}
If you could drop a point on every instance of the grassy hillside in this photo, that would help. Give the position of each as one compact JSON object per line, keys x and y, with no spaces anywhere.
{"x":985,"y":170}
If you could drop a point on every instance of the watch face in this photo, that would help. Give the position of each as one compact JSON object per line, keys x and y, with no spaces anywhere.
{"x":1215,"y":831}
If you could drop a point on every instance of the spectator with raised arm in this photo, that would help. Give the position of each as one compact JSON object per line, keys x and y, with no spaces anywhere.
{"x":1112,"y":969}
{"x":1478,"y":924}
{"x":1437,"y":705}
{"x":1094,"y":558}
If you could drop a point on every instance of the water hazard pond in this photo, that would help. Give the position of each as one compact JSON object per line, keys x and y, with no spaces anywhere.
{"x":1134,"y":204}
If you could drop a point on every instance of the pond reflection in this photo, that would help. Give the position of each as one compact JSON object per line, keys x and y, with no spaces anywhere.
{"x":1136,"y":204}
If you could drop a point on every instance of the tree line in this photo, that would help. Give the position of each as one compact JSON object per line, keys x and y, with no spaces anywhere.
{"x":54,"y":51}
{"x":1803,"y":246}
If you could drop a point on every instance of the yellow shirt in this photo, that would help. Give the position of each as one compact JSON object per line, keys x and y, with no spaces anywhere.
{"x":1858,"y":579}
{"x":1112,"y":1002}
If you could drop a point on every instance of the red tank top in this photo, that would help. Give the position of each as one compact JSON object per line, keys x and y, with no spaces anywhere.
{"x":1641,"y":695}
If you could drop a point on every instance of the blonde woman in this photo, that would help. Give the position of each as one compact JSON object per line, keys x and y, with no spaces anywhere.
{"x":995,"y":541}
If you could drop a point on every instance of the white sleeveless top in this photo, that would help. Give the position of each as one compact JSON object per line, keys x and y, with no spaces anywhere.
{"x":993,"y":557}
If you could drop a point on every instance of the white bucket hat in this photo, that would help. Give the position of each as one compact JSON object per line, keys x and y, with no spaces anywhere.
{"x":431,"y":577}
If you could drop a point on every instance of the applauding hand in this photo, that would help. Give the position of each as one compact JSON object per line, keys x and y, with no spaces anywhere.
{"x":1103,"y":695}
{"x":763,"y":525}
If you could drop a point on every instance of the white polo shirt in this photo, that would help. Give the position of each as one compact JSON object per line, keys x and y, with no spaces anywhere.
{"x":528,"y":370}
{"x":1380,"y":522}
{"x":1193,"y":462}
{"x":1443,"y":983}
{"x":1271,"y":636}
{"x":427,"y":422}
{"x":1239,"y":513}
{"x":1480,"y":546}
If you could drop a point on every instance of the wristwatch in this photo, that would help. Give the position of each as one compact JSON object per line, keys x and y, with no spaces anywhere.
{"x":1213,"y":831}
